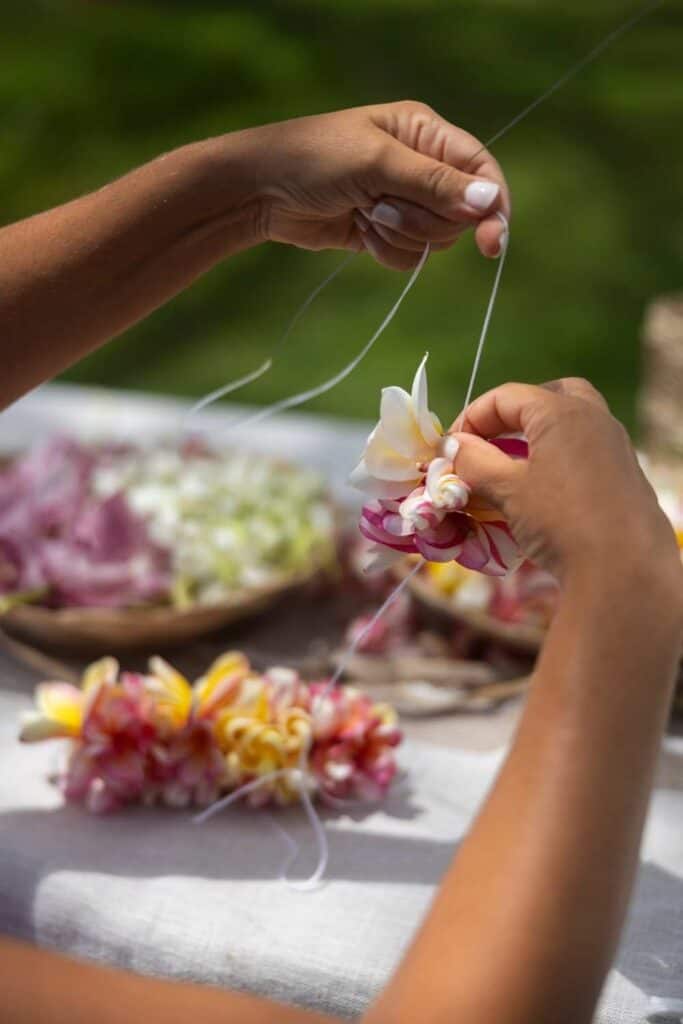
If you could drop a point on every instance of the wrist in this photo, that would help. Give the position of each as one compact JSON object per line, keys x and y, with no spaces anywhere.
{"x":220,"y":188}
{"x":641,"y":588}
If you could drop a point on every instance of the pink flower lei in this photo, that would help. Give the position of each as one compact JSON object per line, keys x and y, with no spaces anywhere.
{"x":420,"y":506}
{"x":155,"y":738}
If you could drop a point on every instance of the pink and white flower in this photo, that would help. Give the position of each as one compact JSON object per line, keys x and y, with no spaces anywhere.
{"x":420,"y":506}
{"x":353,"y":753}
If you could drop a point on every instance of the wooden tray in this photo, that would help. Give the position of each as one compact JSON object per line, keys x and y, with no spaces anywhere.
{"x":101,"y":630}
{"x":518,"y":636}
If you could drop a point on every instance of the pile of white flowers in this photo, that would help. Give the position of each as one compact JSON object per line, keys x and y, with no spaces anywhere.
{"x":230,"y":520}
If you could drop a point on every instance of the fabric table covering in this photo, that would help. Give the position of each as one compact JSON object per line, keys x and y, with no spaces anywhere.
{"x":150,"y":891}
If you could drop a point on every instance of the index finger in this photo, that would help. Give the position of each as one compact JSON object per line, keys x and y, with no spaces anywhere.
{"x":464,"y":151}
{"x":503,"y":410}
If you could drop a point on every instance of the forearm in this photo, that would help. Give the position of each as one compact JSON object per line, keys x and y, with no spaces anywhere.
{"x":526,"y":922}
{"x":75,"y":276}
{"x":43,"y":988}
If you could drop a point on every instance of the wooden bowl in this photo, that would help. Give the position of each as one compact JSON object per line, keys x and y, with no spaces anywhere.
{"x":517,"y":636}
{"x":102,"y":630}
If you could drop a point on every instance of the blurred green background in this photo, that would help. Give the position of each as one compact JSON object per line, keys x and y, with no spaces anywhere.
{"x":89,"y":90}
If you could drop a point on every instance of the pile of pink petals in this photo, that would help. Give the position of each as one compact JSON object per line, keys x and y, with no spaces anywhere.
{"x":61,"y":543}
{"x":155,"y":738}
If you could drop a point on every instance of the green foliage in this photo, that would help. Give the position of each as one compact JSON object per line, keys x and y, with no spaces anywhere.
{"x":88,"y":90}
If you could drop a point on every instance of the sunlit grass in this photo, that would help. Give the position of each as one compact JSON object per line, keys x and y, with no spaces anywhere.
{"x":89,"y":90}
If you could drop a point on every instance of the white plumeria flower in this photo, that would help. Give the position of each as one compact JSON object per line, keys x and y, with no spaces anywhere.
{"x":403,"y":443}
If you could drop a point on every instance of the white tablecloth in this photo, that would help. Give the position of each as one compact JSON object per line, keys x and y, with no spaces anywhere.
{"x":149,"y":891}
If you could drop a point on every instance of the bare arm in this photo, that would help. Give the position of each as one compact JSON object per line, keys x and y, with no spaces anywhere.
{"x":526,"y":922}
{"x":73,"y":277}
{"x":524,"y":926}
{"x":44,"y":988}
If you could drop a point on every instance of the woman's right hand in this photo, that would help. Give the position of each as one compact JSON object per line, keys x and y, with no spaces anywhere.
{"x":581,"y":500}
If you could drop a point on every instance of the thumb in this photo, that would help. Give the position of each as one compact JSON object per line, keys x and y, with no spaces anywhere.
{"x":437,"y":186}
{"x":490,"y":473}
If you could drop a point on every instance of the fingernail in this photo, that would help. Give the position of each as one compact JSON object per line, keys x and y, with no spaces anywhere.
{"x":450,"y":446}
{"x":360,"y":222}
{"x":480,"y":195}
{"x":385,"y":213}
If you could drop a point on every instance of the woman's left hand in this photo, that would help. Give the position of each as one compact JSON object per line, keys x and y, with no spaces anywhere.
{"x":385,"y":178}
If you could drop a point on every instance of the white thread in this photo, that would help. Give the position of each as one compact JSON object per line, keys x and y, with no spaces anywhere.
{"x":599,"y":48}
{"x":240,"y":382}
{"x":233,"y":797}
{"x":226,"y":389}
{"x":357,"y":641}
{"x":504,"y":242}
{"x":320,"y":389}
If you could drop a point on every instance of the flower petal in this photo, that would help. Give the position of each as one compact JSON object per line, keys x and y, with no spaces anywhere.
{"x":443,"y":543}
{"x":375,"y":533}
{"x":378,"y":558}
{"x":473,"y":555}
{"x":35,"y":727}
{"x":105,"y":670}
{"x":170,"y":689}
{"x":364,"y":481}
{"x":515,"y":447}
{"x":61,"y":703}
{"x":505,"y":551}
{"x":445,"y":489}
{"x":429,"y":425}
{"x":400,"y":426}
{"x":385,"y":462}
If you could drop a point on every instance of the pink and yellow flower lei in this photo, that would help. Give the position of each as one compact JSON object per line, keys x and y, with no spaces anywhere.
{"x":155,"y":738}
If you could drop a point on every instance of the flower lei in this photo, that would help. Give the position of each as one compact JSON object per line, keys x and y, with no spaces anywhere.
{"x":420,"y":505}
{"x":155,"y":738}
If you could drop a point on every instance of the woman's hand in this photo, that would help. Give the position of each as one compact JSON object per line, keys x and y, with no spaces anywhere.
{"x":581,"y":498}
{"x":388,"y":178}
{"x":537,"y":893}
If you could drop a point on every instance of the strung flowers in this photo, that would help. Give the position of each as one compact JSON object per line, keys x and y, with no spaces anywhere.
{"x":155,"y":738}
{"x":420,"y":505}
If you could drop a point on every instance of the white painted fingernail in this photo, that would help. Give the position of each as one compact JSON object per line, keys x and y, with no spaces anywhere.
{"x":360,"y":222}
{"x":450,"y":446}
{"x":480,"y":195}
{"x":385,"y":213}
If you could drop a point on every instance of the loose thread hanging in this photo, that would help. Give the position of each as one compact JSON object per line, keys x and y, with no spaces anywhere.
{"x":504,"y":242}
{"x":327,"y":385}
{"x":240,"y":382}
{"x":574,"y":69}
